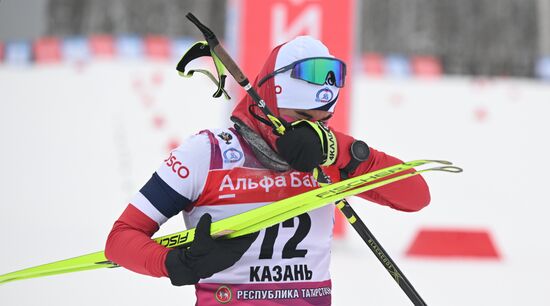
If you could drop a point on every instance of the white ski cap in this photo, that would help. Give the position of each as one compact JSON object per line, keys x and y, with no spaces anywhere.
{"x":299,"y":94}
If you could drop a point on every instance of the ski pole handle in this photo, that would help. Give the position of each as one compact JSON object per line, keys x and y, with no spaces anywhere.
{"x":215,"y":46}
{"x":279,"y":125}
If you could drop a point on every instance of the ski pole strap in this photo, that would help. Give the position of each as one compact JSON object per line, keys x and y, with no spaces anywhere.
{"x":327,"y":138}
{"x":278,"y":124}
{"x":200,"y":49}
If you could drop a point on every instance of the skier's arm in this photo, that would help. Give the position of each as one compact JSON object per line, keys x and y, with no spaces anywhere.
{"x":129,"y":244}
{"x":308,"y":145}
{"x":411,"y":194}
{"x":177,"y":182}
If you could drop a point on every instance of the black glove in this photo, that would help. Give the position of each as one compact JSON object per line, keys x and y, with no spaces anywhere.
{"x":306,"y":145}
{"x":205,"y":256}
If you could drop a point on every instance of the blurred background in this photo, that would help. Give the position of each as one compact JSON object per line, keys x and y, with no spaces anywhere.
{"x":91,"y":103}
{"x":467,"y":37}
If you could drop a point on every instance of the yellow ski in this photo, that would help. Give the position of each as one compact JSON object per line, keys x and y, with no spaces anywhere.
{"x":247,"y":222}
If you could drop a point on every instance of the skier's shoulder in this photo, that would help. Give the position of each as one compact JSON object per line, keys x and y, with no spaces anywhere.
{"x":205,"y":139}
{"x":208,"y":148}
{"x":221,"y":135}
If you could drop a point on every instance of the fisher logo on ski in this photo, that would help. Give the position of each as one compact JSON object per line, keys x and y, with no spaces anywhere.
{"x":173,"y":241}
{"x":369,"y":177}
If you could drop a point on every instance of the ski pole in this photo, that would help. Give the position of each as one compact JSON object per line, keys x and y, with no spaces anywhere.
{"x":279,"y":125}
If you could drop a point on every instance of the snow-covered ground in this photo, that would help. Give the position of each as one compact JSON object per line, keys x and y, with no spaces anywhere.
{"x":78,"y":140}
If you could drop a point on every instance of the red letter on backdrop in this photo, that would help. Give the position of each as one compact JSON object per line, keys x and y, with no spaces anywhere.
{"x":268,"y":23}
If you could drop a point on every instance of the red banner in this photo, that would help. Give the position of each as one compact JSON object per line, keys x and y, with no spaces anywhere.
{"x":268,"y":23}
{"x":47,"y":50}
